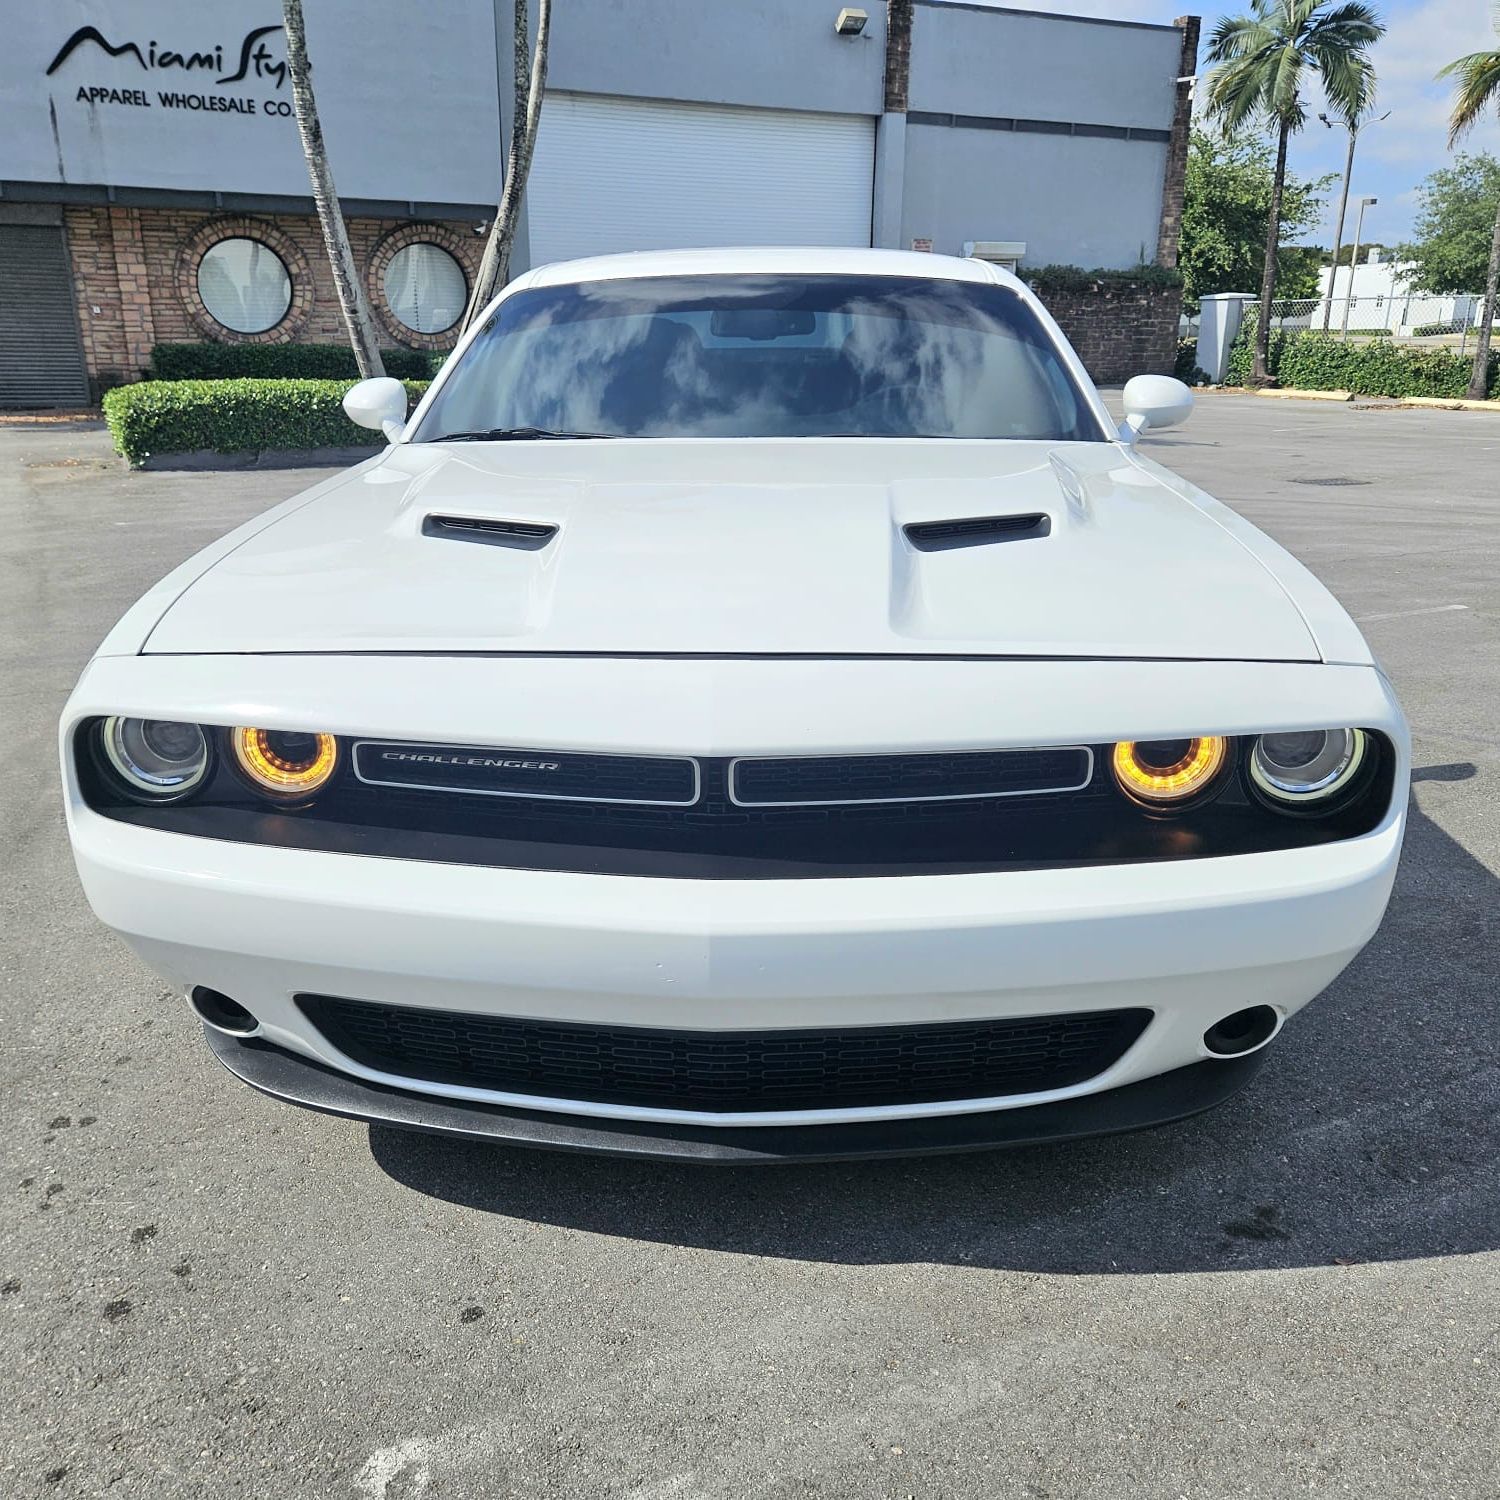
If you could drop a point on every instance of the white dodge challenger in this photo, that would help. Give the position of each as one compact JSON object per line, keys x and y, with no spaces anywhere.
{"x":759,"y":706}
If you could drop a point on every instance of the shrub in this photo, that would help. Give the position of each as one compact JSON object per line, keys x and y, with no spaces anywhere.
{"x":233,"y":416}
{"x":1076,"y":279}
{"x":1242,"y":352}
{"x":209,"y":361}
{"x":1319,"y":362}
{"x":1186,"y":368}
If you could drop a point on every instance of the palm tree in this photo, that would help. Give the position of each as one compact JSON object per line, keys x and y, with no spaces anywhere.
{"x":1478,"y":87}
{"x":1262,"y":62}
{"x":335,"y":235}
{"x":531,"y":83}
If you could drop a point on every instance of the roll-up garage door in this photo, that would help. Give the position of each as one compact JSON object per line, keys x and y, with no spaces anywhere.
{"x":645,"y":174}
{"x":41,"y":355}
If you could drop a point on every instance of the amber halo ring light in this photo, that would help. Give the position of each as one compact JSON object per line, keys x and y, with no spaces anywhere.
{"x":1169,"y":773}
{"x":284,"y":763}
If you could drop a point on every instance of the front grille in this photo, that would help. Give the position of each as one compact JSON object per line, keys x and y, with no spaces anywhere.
{"x":790,"y":781}
{"x":545,"y":775}
{"x":728,"y":1071}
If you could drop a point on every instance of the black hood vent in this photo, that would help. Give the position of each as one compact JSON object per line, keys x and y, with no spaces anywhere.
{"x":527,"y":536}
{"x":976,"y":531}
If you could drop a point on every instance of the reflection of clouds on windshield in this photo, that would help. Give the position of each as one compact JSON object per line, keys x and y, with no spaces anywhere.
{"x":933,"y":370}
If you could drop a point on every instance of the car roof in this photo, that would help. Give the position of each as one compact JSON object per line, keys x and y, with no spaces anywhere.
{"x":792,"y":260}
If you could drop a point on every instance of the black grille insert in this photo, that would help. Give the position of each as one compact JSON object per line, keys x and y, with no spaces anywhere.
{"x":548,"y":775}
{"x":729,"y":1071}
{"x":792,"y":781}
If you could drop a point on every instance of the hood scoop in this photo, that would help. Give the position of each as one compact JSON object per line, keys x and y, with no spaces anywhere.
{"x":525,"y":536}
{"x":976,"y":531}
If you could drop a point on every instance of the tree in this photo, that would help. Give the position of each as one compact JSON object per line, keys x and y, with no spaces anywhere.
{"x":1226,"y":198}
{"x":531,"y":82}
{"x":1346,"y":252}
{"x":1476,"y":90}
{"x":1454,"y":225}
{"x":1262,"y":61}
{"x":335,"y":235}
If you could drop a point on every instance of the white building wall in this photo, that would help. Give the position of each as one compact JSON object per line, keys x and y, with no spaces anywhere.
{"x":1382,"y":299}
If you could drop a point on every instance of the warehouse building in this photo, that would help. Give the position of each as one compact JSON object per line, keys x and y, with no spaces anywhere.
{"x":152,"y":186}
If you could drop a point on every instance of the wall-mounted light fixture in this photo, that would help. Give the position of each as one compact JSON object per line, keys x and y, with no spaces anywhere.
{"x":851,"y":22}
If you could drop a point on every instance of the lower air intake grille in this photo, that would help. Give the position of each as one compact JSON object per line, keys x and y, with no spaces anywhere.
{"x":728,"y":1071}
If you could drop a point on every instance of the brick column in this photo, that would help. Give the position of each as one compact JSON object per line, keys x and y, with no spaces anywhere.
{"x":1177,"y":150}
{"x":897,"y":55}
{"x":135,"y":292}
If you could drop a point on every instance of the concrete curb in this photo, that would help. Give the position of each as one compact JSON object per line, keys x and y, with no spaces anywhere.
{"x":270,"y":458}
{"x":1277,"y":394}
{"x":1445,"y":403}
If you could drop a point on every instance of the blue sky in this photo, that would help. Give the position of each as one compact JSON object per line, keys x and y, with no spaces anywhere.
{"x":1394,"y":156}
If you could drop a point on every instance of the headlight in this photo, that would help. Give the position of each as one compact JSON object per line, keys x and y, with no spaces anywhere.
{"x":284,"y":763}
{"x":1307,"y":766}
{"x":159,"y":759}
{"x":1168,"y":773}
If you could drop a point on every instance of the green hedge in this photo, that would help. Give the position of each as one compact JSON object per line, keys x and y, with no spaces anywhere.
{"x":234,"y":416}
{"x":1059,"y":278}
{"x":281,"y":362}
{"x":1316,"y":362}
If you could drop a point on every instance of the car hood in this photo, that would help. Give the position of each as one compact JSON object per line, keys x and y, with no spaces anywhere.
{"x":764,"y":548}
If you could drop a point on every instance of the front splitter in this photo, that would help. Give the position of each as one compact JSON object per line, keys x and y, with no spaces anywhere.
{"x":1154,"y":1101}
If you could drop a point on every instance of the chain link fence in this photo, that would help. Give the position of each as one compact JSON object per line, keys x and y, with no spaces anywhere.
{"x":1405,"y":318}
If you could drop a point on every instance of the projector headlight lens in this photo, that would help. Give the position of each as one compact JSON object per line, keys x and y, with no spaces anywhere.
{"x":157,"y":759}
{"x":1169,"y":773}
{"x":1307,"y":766}
{"x":283,"y":763}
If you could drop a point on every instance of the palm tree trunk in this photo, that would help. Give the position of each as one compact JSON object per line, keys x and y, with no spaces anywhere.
{"x":335,"y":235}
{"x":1262,"y":373}
{"x":1479,"y":380}
{"x":531,"y":84}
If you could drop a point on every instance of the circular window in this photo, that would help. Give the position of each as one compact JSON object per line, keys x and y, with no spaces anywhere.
{"x":244,"y":285}
{"x":425,"y":288}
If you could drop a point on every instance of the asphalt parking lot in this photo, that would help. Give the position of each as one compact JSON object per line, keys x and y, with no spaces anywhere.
{"x":203,"y":1293}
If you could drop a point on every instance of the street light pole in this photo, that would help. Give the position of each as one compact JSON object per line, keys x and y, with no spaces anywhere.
{"x":1359,"y":229}
{"x":1353,"y":127}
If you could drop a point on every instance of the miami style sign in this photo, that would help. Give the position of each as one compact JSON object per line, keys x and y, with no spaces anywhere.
{"x":255,"y":60}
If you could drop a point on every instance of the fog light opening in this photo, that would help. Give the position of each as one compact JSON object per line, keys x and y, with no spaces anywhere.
{"x":222,"y":1013}
{"x":1242,"y":1031}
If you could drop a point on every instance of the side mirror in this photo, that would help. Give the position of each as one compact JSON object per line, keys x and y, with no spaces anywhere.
{"x":1153,"y":401}
{"x":379,"y":403}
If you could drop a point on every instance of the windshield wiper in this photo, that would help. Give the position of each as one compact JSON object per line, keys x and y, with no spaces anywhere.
{"x":513,"y":434}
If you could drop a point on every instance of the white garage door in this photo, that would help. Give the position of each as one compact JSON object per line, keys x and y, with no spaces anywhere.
{"x":636,"y":174}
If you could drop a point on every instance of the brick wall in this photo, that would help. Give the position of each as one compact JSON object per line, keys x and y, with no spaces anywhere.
{"x":134,"y":273}
{"x":1174,"y":185}
{"x":1119,"y":328}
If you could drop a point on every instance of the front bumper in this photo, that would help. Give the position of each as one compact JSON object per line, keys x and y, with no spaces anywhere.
{"x":1191,"y":941}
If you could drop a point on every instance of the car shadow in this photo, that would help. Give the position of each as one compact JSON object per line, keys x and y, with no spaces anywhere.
{"x":1372,"y":1134}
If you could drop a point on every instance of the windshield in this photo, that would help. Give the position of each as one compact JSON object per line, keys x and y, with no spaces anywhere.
{"x":763,"y":356}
